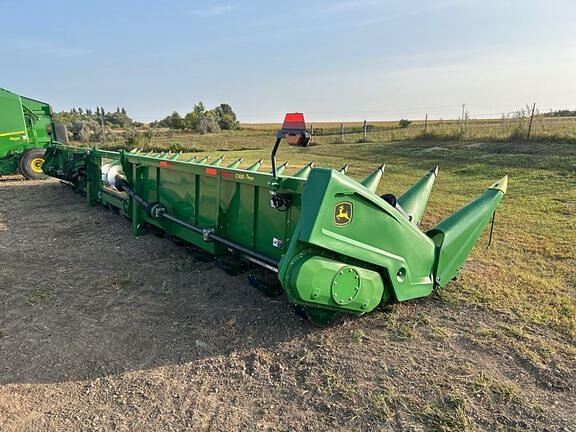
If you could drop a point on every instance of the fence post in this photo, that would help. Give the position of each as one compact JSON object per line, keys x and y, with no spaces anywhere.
{"x":530,"y":124}
{"x":364,"y":131}
{"x":426,"y":123}
{"x":311,"y":133}
{"x":341,"y":132}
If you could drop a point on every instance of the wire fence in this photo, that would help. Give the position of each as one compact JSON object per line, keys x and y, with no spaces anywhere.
{"x":522,"y":125}
{"x":509,"y":127}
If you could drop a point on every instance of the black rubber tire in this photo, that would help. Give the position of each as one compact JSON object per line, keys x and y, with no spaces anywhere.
{"x":28,"y":164}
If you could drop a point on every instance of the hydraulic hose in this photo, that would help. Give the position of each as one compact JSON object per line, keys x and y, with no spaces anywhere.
{"x":157,"y":211}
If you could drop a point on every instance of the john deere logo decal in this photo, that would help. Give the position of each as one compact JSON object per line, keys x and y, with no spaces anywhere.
{"x":343,"y":213}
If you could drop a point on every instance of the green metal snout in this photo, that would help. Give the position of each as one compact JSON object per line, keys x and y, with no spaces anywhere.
{"x":456,"y":235}
{"x":345,"y":228}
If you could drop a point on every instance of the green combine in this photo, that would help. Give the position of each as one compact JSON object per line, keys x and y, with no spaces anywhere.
{"x":325,"y":240}
{"x":26,"y":129}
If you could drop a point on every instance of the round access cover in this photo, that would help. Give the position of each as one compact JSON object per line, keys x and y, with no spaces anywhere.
{"x":345,"y":286}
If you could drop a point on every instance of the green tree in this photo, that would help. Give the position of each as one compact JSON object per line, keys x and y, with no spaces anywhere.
{"x":192,"y":119}
{"x":175,"y":121}
{"x":228,"y":122}
{"x":225,"y":116}
{"x":404,"y":123}
{"x":118,"y":119}
{"x":209,"y":123}
{"x":200,"y":120}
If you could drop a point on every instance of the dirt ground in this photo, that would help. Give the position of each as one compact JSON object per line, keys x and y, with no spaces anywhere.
{"x":103,"y":331}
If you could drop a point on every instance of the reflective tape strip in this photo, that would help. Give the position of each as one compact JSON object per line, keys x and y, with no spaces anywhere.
{"x":12,"y":133}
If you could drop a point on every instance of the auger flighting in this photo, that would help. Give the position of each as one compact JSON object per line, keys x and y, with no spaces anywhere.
{"x":332,"y":244}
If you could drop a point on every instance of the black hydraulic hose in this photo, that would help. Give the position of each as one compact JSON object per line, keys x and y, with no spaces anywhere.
{"x":163,"y":214}
{"x":160,"y":213}
{"x":244,"y":250}
{"x":122,"y":185}
{"x":273,"y":157}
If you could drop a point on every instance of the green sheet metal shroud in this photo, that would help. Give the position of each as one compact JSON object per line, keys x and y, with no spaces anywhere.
{"x":26,"y":128}
{"x":335,"y":244}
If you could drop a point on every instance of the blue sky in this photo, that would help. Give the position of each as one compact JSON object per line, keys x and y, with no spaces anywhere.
{"x":333,"y":60}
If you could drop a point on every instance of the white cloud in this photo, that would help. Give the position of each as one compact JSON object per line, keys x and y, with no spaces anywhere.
{"x":213,"y":10}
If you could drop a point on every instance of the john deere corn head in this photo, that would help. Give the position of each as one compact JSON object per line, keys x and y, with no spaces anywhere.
{"x":329,"y":242}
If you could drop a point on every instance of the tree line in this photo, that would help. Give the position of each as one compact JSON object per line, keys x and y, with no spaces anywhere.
{"x":97,"y":125}
{"x":118,"y":119}
{"x":201,"y":120}
{"x":561,"y":113}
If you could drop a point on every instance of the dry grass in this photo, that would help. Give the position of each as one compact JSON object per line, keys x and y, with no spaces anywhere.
{"x":259,"y":136}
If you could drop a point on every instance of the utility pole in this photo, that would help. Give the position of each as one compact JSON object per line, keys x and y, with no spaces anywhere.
{"x":426,"y":123}
{"x":341,"y":132}
{"x":530,"y":124}
{"x":364,"y":131}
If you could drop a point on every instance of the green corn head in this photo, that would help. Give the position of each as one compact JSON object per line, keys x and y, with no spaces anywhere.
{"x":336,"y":246}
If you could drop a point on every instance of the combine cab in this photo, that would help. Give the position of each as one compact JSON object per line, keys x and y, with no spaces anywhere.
{"x":26,"y":128}
{"x":331,"y":243}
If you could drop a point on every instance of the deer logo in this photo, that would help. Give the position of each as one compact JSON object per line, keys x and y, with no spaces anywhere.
{"x":343,"y":213}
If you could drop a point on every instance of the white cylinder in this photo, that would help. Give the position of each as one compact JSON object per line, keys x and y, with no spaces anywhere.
{"x":109,"y":173}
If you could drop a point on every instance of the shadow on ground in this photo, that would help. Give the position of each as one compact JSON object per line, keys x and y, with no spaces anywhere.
{"x":80,"y":297}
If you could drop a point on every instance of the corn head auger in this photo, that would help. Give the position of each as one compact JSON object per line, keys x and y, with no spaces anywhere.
{"x":336,"y":246}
